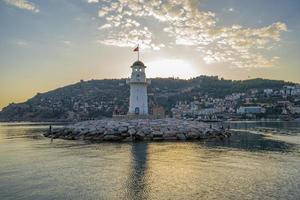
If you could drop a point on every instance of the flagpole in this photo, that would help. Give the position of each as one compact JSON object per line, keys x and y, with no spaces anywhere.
{"x":138,"y":52}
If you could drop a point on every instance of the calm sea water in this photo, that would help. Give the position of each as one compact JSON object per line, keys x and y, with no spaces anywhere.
{"x":251,"y":165}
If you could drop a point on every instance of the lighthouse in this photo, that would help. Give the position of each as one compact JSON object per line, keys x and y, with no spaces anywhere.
{"x":138,"y":100}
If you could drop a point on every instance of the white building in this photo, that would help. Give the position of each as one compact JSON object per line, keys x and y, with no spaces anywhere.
{"x":290,"y":90}
{"x":234,"y":96}
{"x":250,"y":110}
{"x":268,"y":91}
{"x":296,"y":91}
{"x":295,"y":110}
{"x":138,"y":101}
{"x":209,"y":111}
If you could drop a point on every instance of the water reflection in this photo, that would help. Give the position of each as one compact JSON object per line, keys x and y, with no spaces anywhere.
{"x":271,"y":124}
{"x":248,"y":141}
{"x":137,"y":181}
{"x":248,"y":166}
{"x":25,"y":130}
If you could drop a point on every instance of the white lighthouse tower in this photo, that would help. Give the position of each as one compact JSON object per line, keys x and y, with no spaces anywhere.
{"x":138,"y":101}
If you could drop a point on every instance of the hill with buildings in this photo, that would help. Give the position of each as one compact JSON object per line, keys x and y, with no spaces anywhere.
{"x":95,"y":99}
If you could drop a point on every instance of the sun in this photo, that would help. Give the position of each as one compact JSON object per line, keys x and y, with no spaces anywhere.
{"x":166,"y":68}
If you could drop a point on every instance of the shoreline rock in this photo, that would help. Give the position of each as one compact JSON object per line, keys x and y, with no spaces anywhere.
{"x":122,"y":130}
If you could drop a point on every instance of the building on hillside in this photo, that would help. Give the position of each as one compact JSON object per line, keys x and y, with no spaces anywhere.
{"x":296,"y":91}
{"x":180,"y":109}
{"x":295,"y":110}
{"x":290,"y":90}
{"x":209,"y":111}
{"x":158,"y":112}
{"x":250,"y":110}
{"x":268,"y":91}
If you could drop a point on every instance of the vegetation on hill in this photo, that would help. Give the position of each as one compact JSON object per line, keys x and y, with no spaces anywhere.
{"x":99,"y":98}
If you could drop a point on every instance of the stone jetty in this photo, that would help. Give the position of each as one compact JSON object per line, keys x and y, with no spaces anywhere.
{"x":138,"y":130}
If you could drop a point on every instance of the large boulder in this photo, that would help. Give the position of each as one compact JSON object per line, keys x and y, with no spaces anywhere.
{"x":127,"y":139}
{"x":100,"y":130}
{"x":146,"y":130}
{"x":124,"y":135}
{"x":139,"y":136}
{"x":112,"y":138}
{"x":192,"y":135}
{"x":169,"y":133}
{"x":157,"y":136}
{"x":122,"y":129}
{"x":170,"y":138}
{"x":92,"y":132}
{"x":180,"y":136}
{"x":132,"y":131}
{"x":109,"y":132}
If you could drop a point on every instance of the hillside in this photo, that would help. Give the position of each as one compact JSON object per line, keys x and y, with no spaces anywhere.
{"x":99,"y":98}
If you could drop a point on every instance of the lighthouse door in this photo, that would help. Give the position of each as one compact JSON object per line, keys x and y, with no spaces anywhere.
{"x":137,"y":110}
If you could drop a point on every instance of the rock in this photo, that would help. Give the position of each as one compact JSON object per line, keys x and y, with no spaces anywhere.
{"x":181,"y":136}
{"x":122,"y":129}
{"x":92,"y":133}
{"x":146,"y":130}
{"x":116,"y":130}
{"x":131,"y":131}
{"x":85,"y":131}
{"x":79,"y":137}
{"x":128,"y":139}
{"x":109,"y":132}
{"x":182,"y":130}
{"x":192,"y":135}
{"x":228,"y":133}
{"x":169,"y":133}
{"x":47,"y":134}
{"x":170,"y":138}
{"x":157,"y":138}
{"x":140,"y":133}
{"x":139,"y":136}
{"x":98,"y":138}
{"x":148,"y":137}
{"x":126,"y":134}
{"x":157,"y":134}
{"x":100,"y":130}
{"x":111,"y":138}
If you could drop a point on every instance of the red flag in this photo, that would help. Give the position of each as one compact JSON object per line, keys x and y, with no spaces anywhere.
{"x":136,"y":48}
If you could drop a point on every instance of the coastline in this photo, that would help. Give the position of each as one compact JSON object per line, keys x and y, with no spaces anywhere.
{"x":75,"y":121}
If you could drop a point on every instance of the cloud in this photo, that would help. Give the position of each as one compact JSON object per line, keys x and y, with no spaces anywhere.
{"x":66,"y":42}
{"x":21,"y":42}
{"x":23,"y":4}
{"x":185,"y":24}
{"x":93,"y":1}
{"x":105,"y":26}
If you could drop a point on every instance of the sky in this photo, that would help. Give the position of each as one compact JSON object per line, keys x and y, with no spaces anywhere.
{"x":52,"y":43}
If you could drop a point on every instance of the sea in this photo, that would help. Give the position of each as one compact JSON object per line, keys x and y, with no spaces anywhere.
{"x":261,"y":160}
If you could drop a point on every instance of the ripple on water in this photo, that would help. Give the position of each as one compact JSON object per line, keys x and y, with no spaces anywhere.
{"x":248,"y":166}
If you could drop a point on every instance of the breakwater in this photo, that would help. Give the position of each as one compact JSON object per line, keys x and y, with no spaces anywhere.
{"x":139,"y":130}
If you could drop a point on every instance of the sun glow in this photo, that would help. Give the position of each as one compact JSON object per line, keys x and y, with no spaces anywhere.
{"x":171,"y":68}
